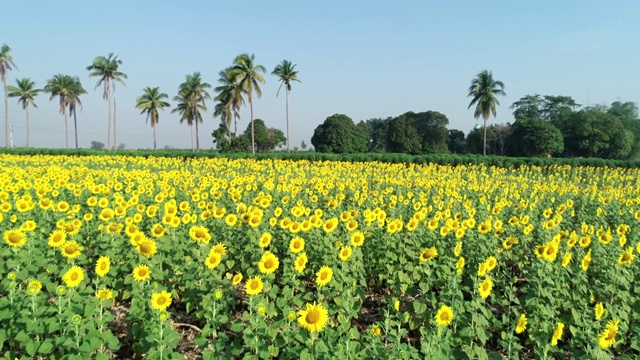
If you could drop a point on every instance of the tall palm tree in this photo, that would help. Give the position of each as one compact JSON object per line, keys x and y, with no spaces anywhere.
{"x":64,"y":87}
{"x":149,"y":103}
{"x":73,"y":101}
{"x":6,"y":64}
{"x":286,"y":73}
{"x":191,"y":100}
{"x":106,"y":68}
{"x":247,"y":73}
{"x":25,"y":91}
{"x":229,"y":99}
{"x":484,"y":90}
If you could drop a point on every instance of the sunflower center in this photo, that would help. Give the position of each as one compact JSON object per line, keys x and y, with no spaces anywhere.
{"x":626,"y":256}
{"x":324,"y":275}
{"x":161,"y":300}
{"x":74,"y":276}
{"x":69,"y":228}
{"x":70,"y":249}
{"x":268,"y":264}
{"x":199,"y":233}
{"x":296,"y":245}
{"x":145,"y":248}
{"x":103,"y":266}
{"x":14,"y":238}
{"x":254,"y":285}
{"x":312,"y":317}
{"x":445,"y":317}
{"x":142,"y":272}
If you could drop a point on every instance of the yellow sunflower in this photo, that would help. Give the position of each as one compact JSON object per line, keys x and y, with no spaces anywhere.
{"x":103,"y":265}
{"x":213,"y":260}
{"x":557,"y":334}
{"x":141,"y":273}
{"x":237,"y":278}
{"x":147,"y":248}
{"x":313,"y":318}
{"x":608,"y":336}
{"x":218,"y":248}
{"x":485,"y":287}
{"x":586,"y":261}
{"x":357,"y":238}
{"x":71,"y":249}
{"x":57,"y":238}
{"x":444,"y":316}
{"x":323,"y":276}
{"x":254,"y":286}
{"x":34,"y":287}
{"x":296,"y":245}
{"x":345,"y":253}
{"x":104,"y":294}
{"x":521,"y":325}
{"x":15,"y":238}
{"x":268,"y":263}
{"x":428,"y":254}
{"x":161,"y":301}
{"x":626,"y":257}
{"x":599,"y":311}
{"x":73,"y":277}
{"x":200,"y":234}
{"x":265,"y":240}
{"x":301,"y":262}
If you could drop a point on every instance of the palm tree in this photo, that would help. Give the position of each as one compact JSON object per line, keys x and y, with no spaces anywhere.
{"x":64,"y":87}
{"x":191,"y":100}
{"x":247,"y":74}
{"x":229,"y":99}
{"x":286,"y":73}
{"x":106,"y":68}
{"x":149,"y":103}
{"x":484,"y":90}
{"x":25,"y":91}
{"x":73,"y":100}
{"x":6,"y":64}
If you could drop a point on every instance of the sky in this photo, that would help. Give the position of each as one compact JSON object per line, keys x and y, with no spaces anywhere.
{"x":370,"y":59}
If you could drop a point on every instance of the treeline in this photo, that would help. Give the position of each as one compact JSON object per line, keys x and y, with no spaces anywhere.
{"x":545,"y":126}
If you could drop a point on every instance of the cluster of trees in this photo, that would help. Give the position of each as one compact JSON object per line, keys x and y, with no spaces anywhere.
{"x":242,"y":78}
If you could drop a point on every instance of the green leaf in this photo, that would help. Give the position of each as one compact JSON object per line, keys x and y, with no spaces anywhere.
{"x":46,"y":347}
{"x":32,"y":347}
{"x":321,"y":347}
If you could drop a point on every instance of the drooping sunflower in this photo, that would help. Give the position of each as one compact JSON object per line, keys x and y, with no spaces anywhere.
{"x":444,"y":316}
{"x":103,"y":265}
{"x":323,"y":276}
{"x":586,"y":261}
{"x":301,"y":262}
{"x":313,"y":318}
{"x":357,"y":238}
{"x":608,"y":336}
{"x":485,"y":287}
{"x":147,"y":248}
{"x":73,"y":276}
{"x":213,"y":260}
{"x":557,"y":334}
{"x":345,"y":253}
{"x":566,"y":259}
{"x":428,"y":254}
{"x":296,"y":245}
{"x":71,"y":249}
{"x":15,"y":238}
{"x":161,"y":301}
{"x":521,"y":325}
{"x":104,"y":294}
{"x":626,"y":257}
{"x":254,"y":286}
{"x":268,"y":263}
{"x":141,"y":273}
{"x":599,"y":310}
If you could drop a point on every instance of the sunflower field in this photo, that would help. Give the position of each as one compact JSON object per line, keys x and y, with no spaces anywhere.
{"x":168,"y":258}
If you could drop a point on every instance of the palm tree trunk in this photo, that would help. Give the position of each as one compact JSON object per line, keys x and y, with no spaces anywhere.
{"x":28,"y":127}
{"x":109,"y":128}
{"x":288,"y":141}
{"x":66,"y":130}
{"x":115,"y":140}
{"x":484,"y":148}
{"x":75,"y":126}
{"x":253,"y":140}
{"x":155,"y":146}
{"x":6,"y":112}
{"x":192,"y":147}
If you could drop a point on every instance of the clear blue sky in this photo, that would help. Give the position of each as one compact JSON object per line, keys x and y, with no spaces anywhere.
{"x":364,"y":59}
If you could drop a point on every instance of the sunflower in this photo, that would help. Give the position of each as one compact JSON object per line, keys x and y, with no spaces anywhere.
{"x":586,"y":261}
{"x":73,"y":276}
{"x":485,"y":287}
{"x":213,"y":260}
{"x":34,"y":287}
{"x":161,"y":301}
{"x":301,"y":262}
{"x":608,"y":336}
{"x":444,"y":316}
{"x":509,"y":242}
{"x":357,"y":238}
{"x":313,"y":318}
{"x":550,"y":251}
{"x":138,"y":238}
{"x":200,"y":234}
{"x":521,"y":325}
{"x":557,"y":334}
{"x":237,"y":278}
{"x":104,"y":294}
{"x":254,"y":286}
{"x":218,"y":248}
{"x":28,"y":226}
{"x":268,"y":263}
{"x":296,"y":245}
{"x":141,"y":273}
{"x":491,"y":263}
{"x":330,"y":225}
{"x":323,"y":276}
{"x":231,"y":220}
{"x":484,"y":227}
{"x":345,"y":253}
{"x":147,"y":248}
{"x":427,"y":254}
{"x":71,"y":249}
{"x":458,"y":249}
{"x":103,"y":265}
{"x":265,"y":240}
{"x":599,"y":311}
{"x":460,"y":265}
{"x":15,"y":238}
{"x":626,"y":257}
{"x":158,"y":231}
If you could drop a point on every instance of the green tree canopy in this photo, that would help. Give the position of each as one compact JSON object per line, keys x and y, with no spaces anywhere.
{"x":535,"y":137}
{"x":338,"y":134}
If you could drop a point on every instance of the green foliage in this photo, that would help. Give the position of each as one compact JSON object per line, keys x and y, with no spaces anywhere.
{"x":627,"y":113}
{"x":403,"y":136}
{"x":338,"y":134}
{"x":535,"y":137}
{"x":456,"y":141}
{"x":550,"y":108}
{"x":475,"y":141}
{"x":378,"y":130}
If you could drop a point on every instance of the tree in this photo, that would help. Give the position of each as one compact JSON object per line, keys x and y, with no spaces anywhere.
{"x":403,"y":136}
{"x":549,"y":108}
{"x":192,"y":96}
{"x":503,"y":134}
{"x":73,"y":101}
{"x":229,"y":101}
{"x":432,"y":129}
{"x":106,"y":68}
{"x":535,"y":137}
{"x":267,"y":139}
{"x":484,"y":90}
{"x":338,"y":134}
{"x":97,"y":145}
{"x":481,"y":140}
{"x":25,"y":91}
{"x":528,"y":107}
{"x":247,"y":74}
{"x":67,"y":89}
{"x":149,"y":102}
{"x":627,"y":113}
{"x":456,"y":141}
{"x":286,"y":73}
{"x":6,"y":64}
{"x":378,"y":134}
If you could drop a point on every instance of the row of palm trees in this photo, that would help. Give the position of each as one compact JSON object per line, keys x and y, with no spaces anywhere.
{"x":242,"y":78}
